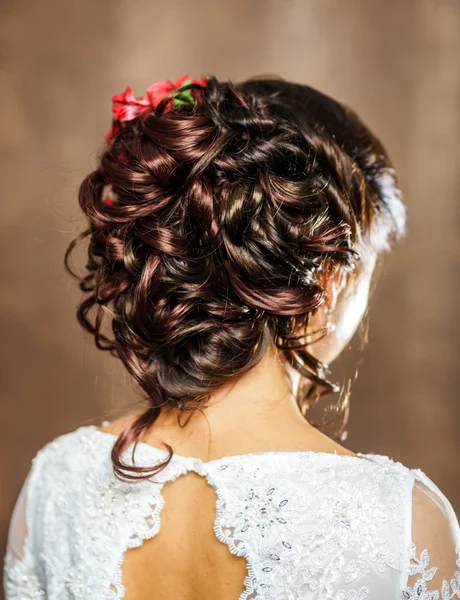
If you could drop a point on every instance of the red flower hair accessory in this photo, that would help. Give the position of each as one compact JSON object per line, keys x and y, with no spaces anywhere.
{"x":127,"y":107}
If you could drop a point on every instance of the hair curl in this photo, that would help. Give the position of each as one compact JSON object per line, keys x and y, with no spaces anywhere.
{"x":225,"y":216}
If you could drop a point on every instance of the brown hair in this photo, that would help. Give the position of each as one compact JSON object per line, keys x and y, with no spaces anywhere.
{"x":225,"y":214}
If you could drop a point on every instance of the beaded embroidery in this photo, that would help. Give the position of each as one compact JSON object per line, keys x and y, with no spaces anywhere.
{"x":310,"y":525}
{"x":420,"y":566}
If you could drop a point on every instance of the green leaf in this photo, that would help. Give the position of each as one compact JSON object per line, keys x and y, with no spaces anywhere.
{"x":184,"y":97}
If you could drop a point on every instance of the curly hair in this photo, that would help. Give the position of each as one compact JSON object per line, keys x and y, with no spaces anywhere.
{"x":226,"y":217}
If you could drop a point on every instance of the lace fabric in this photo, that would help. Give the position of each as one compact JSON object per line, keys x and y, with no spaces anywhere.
{"x":434,"y":551}
{"x":310,"y":525}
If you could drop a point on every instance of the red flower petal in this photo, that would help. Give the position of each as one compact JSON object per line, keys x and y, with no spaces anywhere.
{"x":158,"y":90}
{"x":176,"y":84}
{"x":113,"y":131}
{"x":126,"y":106}
{"x":168,"y":107}
{"x":125,"y":97}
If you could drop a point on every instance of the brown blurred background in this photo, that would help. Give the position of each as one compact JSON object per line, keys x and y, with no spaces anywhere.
{"x":397,"y":63}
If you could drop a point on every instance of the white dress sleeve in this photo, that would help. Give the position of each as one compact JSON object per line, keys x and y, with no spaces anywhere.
{"x":23,"y":579}
{"x":434,"y":553}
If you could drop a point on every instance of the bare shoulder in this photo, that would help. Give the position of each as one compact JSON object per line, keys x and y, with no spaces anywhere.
{"x":298,"y":440}
{"x":327,"y":444}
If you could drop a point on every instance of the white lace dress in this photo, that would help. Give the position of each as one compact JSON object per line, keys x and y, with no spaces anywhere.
{"x":310,"y":525}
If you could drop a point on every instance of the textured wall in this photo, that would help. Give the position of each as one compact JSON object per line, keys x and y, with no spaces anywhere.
{"x":397,"y":63}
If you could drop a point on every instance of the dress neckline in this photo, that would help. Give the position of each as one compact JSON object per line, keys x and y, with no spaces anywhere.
{"x":244,"y":456}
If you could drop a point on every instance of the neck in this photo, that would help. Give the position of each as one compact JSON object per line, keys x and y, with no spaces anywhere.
{"x":253,"y":412}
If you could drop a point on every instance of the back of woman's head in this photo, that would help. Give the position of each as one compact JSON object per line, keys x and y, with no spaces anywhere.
{"x":216,"y":216}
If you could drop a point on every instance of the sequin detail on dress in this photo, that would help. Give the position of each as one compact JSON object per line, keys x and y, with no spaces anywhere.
{"x":310,"y":525}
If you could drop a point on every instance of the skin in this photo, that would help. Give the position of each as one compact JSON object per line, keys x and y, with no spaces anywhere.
{"x":252,"y":413}
{"x":258,"y":411}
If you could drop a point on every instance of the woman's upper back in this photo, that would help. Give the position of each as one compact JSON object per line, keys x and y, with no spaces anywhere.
{"x":269,"y":525}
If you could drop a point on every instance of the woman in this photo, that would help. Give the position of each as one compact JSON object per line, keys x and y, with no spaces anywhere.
{"x":233,"y":235}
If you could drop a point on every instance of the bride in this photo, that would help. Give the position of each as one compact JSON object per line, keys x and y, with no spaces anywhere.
{"x":233,"y":232}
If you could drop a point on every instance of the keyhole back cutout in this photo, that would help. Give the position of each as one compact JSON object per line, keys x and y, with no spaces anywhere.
{"x":184,"y":559}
